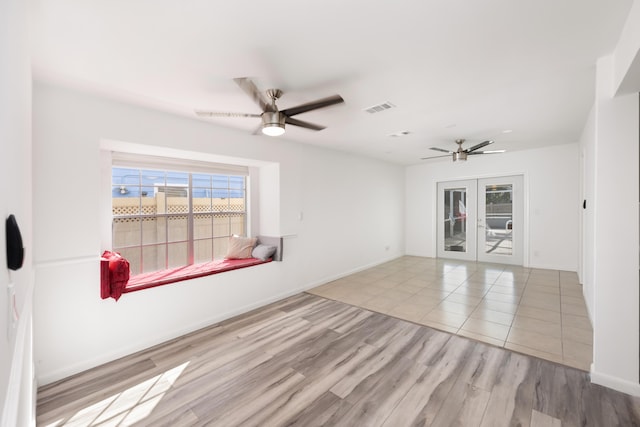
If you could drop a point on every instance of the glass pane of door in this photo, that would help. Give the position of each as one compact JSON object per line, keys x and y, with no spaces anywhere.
{"x":498,"y":227}
{"x":455,"y":219}
{"x":500,"y":219}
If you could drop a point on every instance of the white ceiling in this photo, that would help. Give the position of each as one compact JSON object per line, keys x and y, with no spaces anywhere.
{"x":454,"y":69}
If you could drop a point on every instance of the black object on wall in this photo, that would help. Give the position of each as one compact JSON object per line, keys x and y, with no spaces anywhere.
{"x":15,"y":250}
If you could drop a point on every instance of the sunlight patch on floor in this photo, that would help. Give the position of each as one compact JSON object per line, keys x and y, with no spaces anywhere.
{"x":128,"y":407}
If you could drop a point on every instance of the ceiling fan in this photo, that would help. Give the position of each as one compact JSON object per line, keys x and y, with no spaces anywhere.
{"x":273,"y":120}
{"x":461,"y":154}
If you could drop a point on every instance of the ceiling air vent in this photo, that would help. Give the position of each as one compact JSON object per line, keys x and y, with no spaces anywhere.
{"x":379,"y":107}
{"x":399,"y":133}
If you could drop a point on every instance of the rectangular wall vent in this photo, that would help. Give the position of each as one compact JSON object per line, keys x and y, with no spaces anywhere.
{"x":379,"y":107}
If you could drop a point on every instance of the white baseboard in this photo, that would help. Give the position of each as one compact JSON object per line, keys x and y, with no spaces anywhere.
{"x":421,"y":254}
{"x":333,"y":277}
{"x":628,"y":387}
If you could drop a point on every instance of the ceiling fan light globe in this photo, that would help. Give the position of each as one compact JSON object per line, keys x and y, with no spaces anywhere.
{"x":273,"y":123}
{"x":273,"y":129}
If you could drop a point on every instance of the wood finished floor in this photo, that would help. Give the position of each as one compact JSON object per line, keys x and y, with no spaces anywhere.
{"x":310,"y":361}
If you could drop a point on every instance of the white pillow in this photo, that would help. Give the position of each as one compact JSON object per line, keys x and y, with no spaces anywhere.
{"x":240,"y":247}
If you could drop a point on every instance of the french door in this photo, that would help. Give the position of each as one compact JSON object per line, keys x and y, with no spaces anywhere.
{"x":481,"y":220}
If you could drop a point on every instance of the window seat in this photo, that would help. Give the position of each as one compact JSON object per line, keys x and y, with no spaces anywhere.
{"x":164,"y":277}
{"x":115,"y":279}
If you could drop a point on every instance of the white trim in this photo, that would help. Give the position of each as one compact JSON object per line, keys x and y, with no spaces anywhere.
{"x":15,"y":387}
{"x":146,"y":161}
{"x":175,"y":153}
{"x":624,"y":386}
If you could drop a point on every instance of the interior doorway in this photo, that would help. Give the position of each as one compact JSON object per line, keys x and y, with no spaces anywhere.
{"x":481,"y":220}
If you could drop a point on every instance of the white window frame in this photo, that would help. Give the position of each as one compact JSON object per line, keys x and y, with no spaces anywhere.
{"x":141,"y":161}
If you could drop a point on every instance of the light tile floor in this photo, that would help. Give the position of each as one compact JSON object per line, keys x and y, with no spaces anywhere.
{"x":537,"y":312}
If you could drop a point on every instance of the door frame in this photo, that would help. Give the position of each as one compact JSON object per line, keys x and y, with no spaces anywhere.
{"x":525,"y":208}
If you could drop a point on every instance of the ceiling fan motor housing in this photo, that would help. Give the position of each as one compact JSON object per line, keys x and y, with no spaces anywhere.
{"x":273,"y":118}
{"x":459,"y":155}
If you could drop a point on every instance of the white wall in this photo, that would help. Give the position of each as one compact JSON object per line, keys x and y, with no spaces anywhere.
{"x":615,"y":245}
{"x":552,"y":201}
{"x":611,"y":233}
{"x":17,"y":401}
{"x":352,"y":209}
{"x":626,"y":61}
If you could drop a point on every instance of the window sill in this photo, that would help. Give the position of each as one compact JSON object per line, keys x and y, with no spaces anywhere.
{"x":165,"y":277}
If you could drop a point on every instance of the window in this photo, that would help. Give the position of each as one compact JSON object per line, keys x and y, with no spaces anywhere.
{"x":164,"y":218}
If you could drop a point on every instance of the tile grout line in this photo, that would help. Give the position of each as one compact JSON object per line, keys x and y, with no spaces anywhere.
{"x":518,"y":309}
{"x":561,"y":320}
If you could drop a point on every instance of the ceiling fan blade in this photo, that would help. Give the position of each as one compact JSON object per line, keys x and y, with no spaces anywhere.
{"x":314,"y":105}
{"x":435,"y":157}
{"x":257,"y":130}
{"x":223,"y":114}
{"x":441,"y":149}
{"x":307,"y":125}
{"x":250,"y":89}
{"x":488,"y":152}
{"x":478,"y":146}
